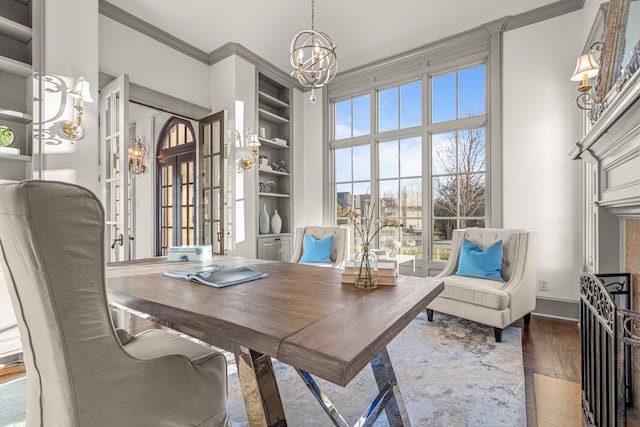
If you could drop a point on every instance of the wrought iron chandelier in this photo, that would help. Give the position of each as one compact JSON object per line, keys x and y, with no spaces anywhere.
{"x":313,"y":57}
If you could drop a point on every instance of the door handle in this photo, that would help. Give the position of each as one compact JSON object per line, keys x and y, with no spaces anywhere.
{"x":119,"y":239}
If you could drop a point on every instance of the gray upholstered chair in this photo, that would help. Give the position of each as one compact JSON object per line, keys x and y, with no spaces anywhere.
{"x":79,"y":371}
{"x":491,"y":302}
{"x":339,"y":249}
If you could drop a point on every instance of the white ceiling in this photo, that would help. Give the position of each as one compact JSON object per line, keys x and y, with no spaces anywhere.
{"x":363,"y":30}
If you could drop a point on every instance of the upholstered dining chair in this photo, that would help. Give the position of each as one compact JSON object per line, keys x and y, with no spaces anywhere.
{"x":505,"y":294}
{"x":80,"y":371}
{"x":309,"y":249}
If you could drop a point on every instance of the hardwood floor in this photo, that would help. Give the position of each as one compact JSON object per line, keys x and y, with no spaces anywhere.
{"x":551,"y":356}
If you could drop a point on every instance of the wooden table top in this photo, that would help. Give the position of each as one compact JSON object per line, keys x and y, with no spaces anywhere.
{"x":301,"y":315}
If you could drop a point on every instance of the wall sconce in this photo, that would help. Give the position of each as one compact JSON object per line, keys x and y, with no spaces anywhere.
{"x":250,"y":150}
{"x":586,"y":68}
{"x":80,"y":92}
{"x":137,"y":153}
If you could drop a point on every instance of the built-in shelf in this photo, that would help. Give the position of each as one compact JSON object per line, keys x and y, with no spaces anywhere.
{"x":15,"y":158}
{"x":12,"y":66}
{"x":15,"y":30}
{"x":272,"y":144}
{"x":273,"y":195}
{"x":272,"y":101}
{"x":273,"y":172}
{"x":15,"y":116}
{"x":269,"y":116}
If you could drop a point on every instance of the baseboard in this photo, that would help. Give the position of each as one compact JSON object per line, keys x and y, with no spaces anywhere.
{"x":557,"y":308}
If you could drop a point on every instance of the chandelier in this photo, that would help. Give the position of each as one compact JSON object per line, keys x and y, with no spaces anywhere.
{"x":313,"y":57}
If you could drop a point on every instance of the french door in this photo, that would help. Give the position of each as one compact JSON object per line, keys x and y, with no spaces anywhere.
{"x":114,"y":172}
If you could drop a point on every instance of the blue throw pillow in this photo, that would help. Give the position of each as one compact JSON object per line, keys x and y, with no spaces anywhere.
{"x":483,"y":264}
{"x":318,"y":251}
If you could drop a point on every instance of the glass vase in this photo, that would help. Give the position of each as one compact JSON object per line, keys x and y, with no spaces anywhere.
{"x":367,"y":269}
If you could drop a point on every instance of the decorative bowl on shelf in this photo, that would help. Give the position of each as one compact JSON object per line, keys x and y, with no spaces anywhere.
{"x":6,"y":136}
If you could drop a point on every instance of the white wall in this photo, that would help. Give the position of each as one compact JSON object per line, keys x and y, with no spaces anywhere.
{"x":71,"y":49}
{"x":233,"y":88}
{"x":152,"y":64}
{"x":542,"y":186}
{"x":309,"y":177}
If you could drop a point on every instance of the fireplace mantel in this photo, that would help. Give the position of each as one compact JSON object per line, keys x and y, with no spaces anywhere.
{"x":610,"y":150}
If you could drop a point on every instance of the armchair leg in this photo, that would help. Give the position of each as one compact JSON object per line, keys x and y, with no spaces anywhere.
{"x":527,"y":319}
{"x":497,"y":332}
{"x":429,"y":315}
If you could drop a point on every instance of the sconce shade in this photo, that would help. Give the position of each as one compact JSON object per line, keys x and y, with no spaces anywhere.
{"x":586,"y":65}
{"x":81,"y":90}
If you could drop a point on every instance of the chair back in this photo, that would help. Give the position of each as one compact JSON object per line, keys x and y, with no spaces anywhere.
{"x":339,"y":250}
{"x":52,"y":254}
{"x":511,"y":241}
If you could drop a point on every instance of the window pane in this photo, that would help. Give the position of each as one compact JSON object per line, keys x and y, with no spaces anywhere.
{"x":343,"y":119}
{"x":468,"y":223}
{"x":362,"y":115}
{"x":389,"y":200}
{"x":445,"y":196}
{"x":472,"y":200}
{"x":388,"y":109}
{"x":471,"y":154}
{"x":362,"y":163}
{"x":412,"y":237}
{"x":411,"y":105}
{"x":411,"y":157}
{"x":471,"y":92}
{"x":344,"y":199}
{"x":443,"y":98}
{"x":411,"y":197}
{"x":388,"y":159}
{"x":442,"y":233}
{"x":443,"y":159}
{"x":361,"y":196}
{"x":343,"y":164}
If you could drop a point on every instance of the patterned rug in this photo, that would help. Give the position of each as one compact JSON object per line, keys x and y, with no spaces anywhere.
{"x":451,"y":372}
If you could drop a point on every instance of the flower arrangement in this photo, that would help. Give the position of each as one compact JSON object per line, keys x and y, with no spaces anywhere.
{"x":366,"y":277}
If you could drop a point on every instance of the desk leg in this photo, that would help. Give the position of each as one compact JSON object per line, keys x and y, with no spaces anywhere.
{"x":259,"y":389}
{"x":395,"y":409}
{"x":388,"y":399}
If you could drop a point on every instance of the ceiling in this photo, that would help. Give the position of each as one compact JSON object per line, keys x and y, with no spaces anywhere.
{"x":363,"y":30}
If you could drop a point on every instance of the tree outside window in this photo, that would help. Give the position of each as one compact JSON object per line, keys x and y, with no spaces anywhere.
{"x":458,"y":185}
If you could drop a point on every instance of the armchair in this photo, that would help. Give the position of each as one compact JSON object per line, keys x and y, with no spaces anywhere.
{"x":80,"y":371}
{"x":491,"y":302}
{"x":339,"y":250}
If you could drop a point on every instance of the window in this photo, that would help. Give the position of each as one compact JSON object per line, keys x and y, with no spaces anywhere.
{"x":400,"y":189}
{"x":176,"y":185}
{"x":353,"y":184}
{"x":458,"y":185}
{"x":388,"y":152}
{"x":353,"y":117}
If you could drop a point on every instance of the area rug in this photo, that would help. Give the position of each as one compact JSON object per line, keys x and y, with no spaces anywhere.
{"x":451,"y":372}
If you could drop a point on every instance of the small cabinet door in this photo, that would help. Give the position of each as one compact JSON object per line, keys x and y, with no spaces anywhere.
{"x":275,"y":248}
{"x":268,"y":249}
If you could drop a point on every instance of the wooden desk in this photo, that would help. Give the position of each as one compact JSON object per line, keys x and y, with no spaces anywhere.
{"x":301,"y":315}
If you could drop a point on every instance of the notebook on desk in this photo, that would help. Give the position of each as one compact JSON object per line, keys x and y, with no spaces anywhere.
{"x":217,"y":276}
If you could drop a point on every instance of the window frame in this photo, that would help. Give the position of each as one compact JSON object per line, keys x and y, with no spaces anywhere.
{"x":456,"y":53}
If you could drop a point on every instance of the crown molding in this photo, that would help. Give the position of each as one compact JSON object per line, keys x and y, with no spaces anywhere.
{"x":543,"y":13}
{"x":125,"y":18}
{"x":233,"y":48}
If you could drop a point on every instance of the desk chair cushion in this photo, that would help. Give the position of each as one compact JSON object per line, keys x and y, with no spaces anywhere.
{"x":316,"y":250}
